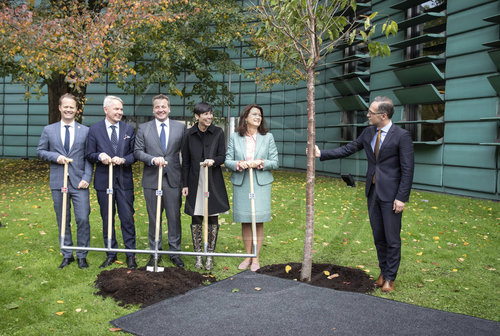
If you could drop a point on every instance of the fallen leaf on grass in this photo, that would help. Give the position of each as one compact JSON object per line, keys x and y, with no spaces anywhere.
{"x":11,"y":306}
{"x":60,"y":301}
{"x":420,"y":253}
{"x":78,"y":310}
{"x":489,"y":268}
{"x":454,"y":270}
{"x":225,"y":268}
{"x":333,"y":276}
{"x":59,"y":313}
{"x":460,"y":259}
{"x":115,"y":329}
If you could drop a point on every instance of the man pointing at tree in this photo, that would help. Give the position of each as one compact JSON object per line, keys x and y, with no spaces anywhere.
{"x":389,"y":153}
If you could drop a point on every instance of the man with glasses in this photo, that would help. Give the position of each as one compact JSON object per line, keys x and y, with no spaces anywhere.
{"x":389,"y":152}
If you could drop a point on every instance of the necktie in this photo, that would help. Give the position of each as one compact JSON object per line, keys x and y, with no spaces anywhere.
{"x":376,"y":149}
{"x":377,"y":143}
{"x":66,"y":139}
{"x":163,"y":138}
{"x":114,"y":138}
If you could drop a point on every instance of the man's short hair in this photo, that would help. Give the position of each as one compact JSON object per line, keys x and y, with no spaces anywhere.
{"x":69,"y":96}
{"x":161,"y":96}
{"x":109,"y":99}
{"x":385,"y":105}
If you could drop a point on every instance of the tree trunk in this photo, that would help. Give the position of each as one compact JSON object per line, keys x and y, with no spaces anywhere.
{"x":305,"y":274}
{"x":56,"y":88}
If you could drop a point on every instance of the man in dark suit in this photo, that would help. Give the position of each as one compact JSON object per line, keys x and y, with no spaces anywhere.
{"x":60,"y":142}
{"x":389,"y":152}
{"x":159,"y":143}
{"x":111,"y":141}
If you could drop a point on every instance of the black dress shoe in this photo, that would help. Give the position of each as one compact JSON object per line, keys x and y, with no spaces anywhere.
{"x":66,"y":262}
{"x":151,"y":261}
{"x":82,"y":263}
{"x":177,"y":261}
{"x":131,"y":262}
{"x":108,"y":261}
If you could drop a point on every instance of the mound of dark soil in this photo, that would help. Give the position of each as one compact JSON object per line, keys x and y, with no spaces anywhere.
{"x":140,"y":287}
{"x":325,"y":275}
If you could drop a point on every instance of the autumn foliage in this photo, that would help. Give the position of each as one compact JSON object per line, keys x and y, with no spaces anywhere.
{"x":67,"y":45}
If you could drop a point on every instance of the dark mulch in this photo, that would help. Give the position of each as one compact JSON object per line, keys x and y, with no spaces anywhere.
{"x":140,"y":287}
{"x":341,"y":278}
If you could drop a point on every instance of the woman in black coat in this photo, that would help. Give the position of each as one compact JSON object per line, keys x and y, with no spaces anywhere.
{"x":204,"y":146}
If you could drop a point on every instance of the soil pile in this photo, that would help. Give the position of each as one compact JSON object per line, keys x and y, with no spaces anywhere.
{"x":140,"y":287}
{"x":325,"y":275}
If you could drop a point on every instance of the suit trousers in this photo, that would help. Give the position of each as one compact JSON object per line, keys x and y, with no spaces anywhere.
{"x":123,"y":201}
{"x":386,"y":228}
{"x":171,"y":203}
{"x":81,"y":208}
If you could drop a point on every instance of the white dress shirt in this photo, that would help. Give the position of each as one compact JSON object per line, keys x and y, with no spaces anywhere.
{"x":71,"y":133}
{"x":385,"y":129}
{"x":167,"y":129}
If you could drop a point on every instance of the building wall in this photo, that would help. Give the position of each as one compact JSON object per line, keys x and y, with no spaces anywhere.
{"x":465,"y":160}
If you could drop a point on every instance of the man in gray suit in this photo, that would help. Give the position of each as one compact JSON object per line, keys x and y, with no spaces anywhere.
{"x":158,"y":143}
{"x":60,"y":142}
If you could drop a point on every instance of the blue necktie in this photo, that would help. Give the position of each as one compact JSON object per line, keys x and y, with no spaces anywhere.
{"x":163,"y":138}
{"x":114,"y":138}
{"x":66,"y":139}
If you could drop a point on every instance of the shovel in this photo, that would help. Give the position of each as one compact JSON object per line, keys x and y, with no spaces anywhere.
{"x":64,"y":190}
{"x":159,"y":194}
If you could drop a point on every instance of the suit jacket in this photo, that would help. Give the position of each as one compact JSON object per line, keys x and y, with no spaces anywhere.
{"x":51,"y":146}
{"x":393,"y":167}
{"x":265,"y":149}
{"x":148,"y":146}
{"x":98,"y":142}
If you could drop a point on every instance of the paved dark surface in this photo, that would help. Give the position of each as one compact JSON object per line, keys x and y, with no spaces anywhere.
{"x":283,"y":307}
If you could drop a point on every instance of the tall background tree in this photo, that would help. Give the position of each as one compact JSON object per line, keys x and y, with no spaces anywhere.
{"x":294,"y":36}
{"x":65,"y":45}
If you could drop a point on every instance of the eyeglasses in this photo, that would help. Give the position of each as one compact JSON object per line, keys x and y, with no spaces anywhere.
{"x":372,"y":113}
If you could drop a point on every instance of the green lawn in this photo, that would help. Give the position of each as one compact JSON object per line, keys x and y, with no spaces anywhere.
{"x":450,"y":257}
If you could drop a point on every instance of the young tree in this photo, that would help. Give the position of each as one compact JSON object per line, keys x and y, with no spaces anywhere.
{"x":66,"y":45}
{"x":294,"y":35}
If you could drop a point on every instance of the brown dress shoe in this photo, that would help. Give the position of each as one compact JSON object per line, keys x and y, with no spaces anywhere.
{"x":380,"y":281}
{"x":388,"y":286}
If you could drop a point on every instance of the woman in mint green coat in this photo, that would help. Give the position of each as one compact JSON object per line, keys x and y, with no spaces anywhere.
{"x":251,"y":147}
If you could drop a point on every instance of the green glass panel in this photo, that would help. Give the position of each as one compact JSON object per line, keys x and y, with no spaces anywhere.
{"x":351,"y":103}
{"x":469,"y":156}
{"x":418,"y":60}
{"x":417,"y":40}
{"x":475,"y":179}
{"x":495,"y":82}
{"x":419,"y":19}
{"x":495,"y":57}
{"x":494,"y":18}
{"x":351,"y":86}
{"x":419,"y":74}
{"x":419,"y":95}
{"x":427,"y":174}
